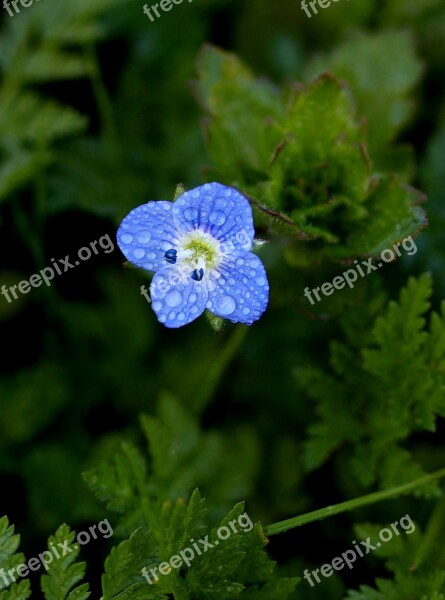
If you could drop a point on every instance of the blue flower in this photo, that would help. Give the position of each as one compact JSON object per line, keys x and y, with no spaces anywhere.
{"x":199,"y":248}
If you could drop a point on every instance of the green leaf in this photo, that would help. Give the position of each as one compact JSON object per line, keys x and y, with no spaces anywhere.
{"x":64,"y":573}
{"x":403,"y":364}
{"x":226,"y":88}
{"x":382,"y":88}
{"x":9,"y":559}
{"x":122,"y":577}
{"x":304,"y":161}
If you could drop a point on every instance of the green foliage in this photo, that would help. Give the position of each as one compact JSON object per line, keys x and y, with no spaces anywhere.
{"x":382,"y":88}
{"x":403,"y":365}
{"x":9,"y":559}
{"x":411,"y":580}
{"x":64,"y":573}
{"x":96,"y":117}
{"x":234,"y":567}
{"x":401,"y":588}
{"x":304,"y":158}
{"x":181,"y":456}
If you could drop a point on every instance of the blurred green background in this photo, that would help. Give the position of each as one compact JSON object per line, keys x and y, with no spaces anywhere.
{"x":97,"y":116}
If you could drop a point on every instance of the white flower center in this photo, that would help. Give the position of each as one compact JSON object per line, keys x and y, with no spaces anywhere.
{"x":199,"y":250}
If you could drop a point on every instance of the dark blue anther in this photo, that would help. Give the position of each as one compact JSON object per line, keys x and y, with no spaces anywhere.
{"x":198,"y":274}
{"x":170,"y":256}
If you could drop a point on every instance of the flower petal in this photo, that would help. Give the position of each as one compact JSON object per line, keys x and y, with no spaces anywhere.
{"x":219,"y":210}
{"x":146,"y":233}
{"x":239,"y":290}
{"x":177,"y":298}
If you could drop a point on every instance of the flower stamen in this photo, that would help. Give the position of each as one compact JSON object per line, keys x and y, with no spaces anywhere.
{"x":197,"y":274}
{"x":171,"y":256}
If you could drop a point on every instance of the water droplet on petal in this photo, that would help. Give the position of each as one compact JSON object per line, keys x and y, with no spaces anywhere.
{"x":144,"y":238}
{"x":139,"y":253}
{"x":173,"y":298}
{"x":261,"y":281}
{"x":191,"y":213}
{"x":127,"y":238}
{"x":246,"y":310}
{"x":157,"y":306}
{"x":226,"y":305}
{"x":217,"y":217}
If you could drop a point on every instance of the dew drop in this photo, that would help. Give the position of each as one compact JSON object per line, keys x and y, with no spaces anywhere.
{"x":139,"y":253}
{"x":144,"y":238}
{"x":127,"y":238}
{"x":191,"y":213}
{"x":173,"y":298}
{"x":157,"y":306}
{"x":217,"y":217}
{"x":226,"y":305}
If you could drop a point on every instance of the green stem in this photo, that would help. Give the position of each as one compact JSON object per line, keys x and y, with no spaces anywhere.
{"x":318,"y":515}
{"x":213,"y":376}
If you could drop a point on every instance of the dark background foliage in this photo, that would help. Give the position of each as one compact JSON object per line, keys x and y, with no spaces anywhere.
{"x":98,"y":114}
